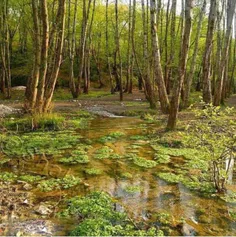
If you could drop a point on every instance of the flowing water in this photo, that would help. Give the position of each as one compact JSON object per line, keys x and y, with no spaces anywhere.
{"x":203,"y":215}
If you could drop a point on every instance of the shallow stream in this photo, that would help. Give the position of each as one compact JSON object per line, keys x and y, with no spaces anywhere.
{"x":203,"y":215}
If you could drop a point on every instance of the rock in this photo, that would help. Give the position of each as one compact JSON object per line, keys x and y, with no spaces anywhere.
{"x":5,"y":110}
{"x":188,"y":230}
{"x":27,"y":187}
{"x":43,"y":209}
{"x":19,"y":88}
{"x":30,"y":228}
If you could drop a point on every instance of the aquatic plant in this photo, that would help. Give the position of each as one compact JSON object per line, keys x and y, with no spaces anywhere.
{"x":8,"y":177}
{"x":103,"y":153}
{"x":37,"y":143}
{"x":111,"y":137}
{"x":170,"y":177}
{"x":45,"y":122}
{"x":161,"y":158}
{"x":163,"y":218}
{"x":68,"y":181}
{"x":99,"y":218}
{"x":93,"y":171}
{"x":133,"y":189}
{"x":75,"y":159}
{"x":126,"y":175}
{"x":30,"y":178}
{"x":144,"y":163}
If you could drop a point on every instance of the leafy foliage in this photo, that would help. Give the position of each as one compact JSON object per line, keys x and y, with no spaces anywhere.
{"x":100,"y":219}
{"x":68,"y":181}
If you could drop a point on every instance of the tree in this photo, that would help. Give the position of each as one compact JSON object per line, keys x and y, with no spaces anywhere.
{"x":5,"y":50}
{"x":189,"y":78}
{"x":41,"y":85}
{"x":206,"y":68}
{"x":164,"y":101}
{"x":225,"y":53}
{"x":72,"y":45}
{"x":175,"y":101}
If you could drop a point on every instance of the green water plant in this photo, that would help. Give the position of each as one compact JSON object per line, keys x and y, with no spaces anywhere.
{"x":103,"y":153}
{"x":111,"y":137}
{"x":99,"y":218}
{"x":93,"y":171}
{"x":8,"y":177}
{"x":132,"y":189}
{"x":144,"y":163}
{"x":52,"y":184}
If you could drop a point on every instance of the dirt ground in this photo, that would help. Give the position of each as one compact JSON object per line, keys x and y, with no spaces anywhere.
{"x":133,"y":104}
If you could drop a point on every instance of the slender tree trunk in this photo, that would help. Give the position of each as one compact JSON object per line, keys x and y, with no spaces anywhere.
{"x":58,"y":57}
{"x":84,"y":31}
{"x":44,"y":56}
{"x":224,"y":59}
{"x":129,"y":55}
{"x":195,"y":53}
{"x":72,"y":42}
{"x":118,"y":53}
{"x":150,"y":95}
{"x":5,"y":49}
{"x":207,"y":97}
{"x":164,"y":101}
{"x":175,"y":101}
{"x":108,"y":51}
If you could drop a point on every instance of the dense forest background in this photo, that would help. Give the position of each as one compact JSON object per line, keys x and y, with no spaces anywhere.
{"x":166,"y":48}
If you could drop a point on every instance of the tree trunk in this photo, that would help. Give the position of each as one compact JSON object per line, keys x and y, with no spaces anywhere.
{"x":195,"y":53}
{"x":206,"y":79}
{"x":164,"y":101}
{"x":118,"y":53}
{"x":108,"y":51}
{"x":225,"y":53}
{"x":175,"y":101}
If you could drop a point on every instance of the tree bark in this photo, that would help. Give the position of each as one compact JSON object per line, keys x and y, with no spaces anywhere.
{"x":195,"y":53}
{"x":206,"y":78}
{"x":175,"y":101}
{"x":164,"y":101}
{"x":224,"y":59}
